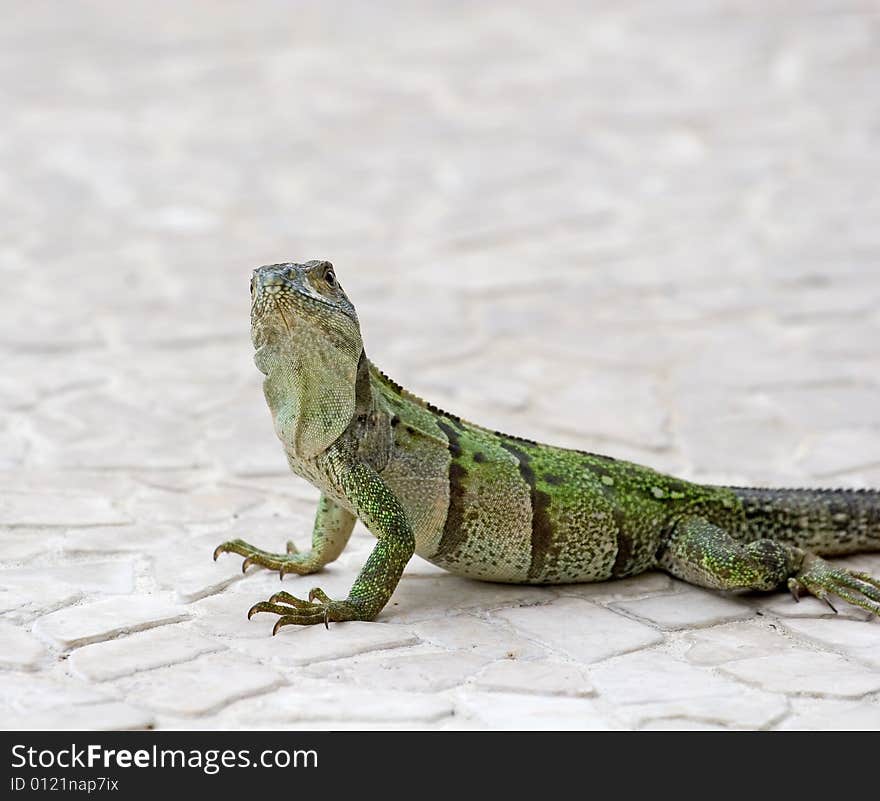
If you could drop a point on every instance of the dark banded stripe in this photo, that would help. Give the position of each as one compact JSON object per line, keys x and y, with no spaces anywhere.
{"x":624,"y":547}
{"x":624,"y":556}
{"x":453,"y":527}
{"x":542,"y":523}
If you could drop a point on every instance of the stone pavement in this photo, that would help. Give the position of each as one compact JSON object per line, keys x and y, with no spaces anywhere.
{"x":646,"y":229}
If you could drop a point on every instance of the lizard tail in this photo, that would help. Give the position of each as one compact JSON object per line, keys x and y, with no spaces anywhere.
{"x":825,"y":522}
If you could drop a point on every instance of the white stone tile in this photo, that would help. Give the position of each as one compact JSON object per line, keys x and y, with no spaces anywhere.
{"x":622,"y":407}
{"x":720,"y":644}
{"x":823,"y":714}
{"x":192,"y":574}
{"x":681,"y":724}
{"x":158,"y":647}
{"x":580,"y":630}
{"x":304,"y":645}
{"x":417,"y":672}
{"x":544,"y":677}
{"x":203,"y":685}
{"x":48,"y":508}
{"x":157,"y":506}
{"x":19,"y":650}
{"x":807,"y":672}
{"x":25,"y":597}
{"x":102,"y":620}
{"x":23,"y":544}
{"x":495,"y":710}
{"x":111,"y":577}
{"x":841,"y":451}
{"x":421,"y":568}
{"x":225,"y":616}
{"x":342,"y":705}
{"x":747,"y":709}
{"x":202,"y":581}
{"x":420,"y":598}
{"x":855,"y":638}
{"x":650,"y":583}
{"x":32,"y":693}
{"x":108,"y":716}
{"x":115,"y":539}
{"x":473,"y":635}
{"x":825,"y":407}
{"x":652,"y":686}
{"x":690,"y":608}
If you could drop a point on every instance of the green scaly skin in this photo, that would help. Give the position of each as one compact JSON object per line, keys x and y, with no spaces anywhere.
{"x":489,"y":506}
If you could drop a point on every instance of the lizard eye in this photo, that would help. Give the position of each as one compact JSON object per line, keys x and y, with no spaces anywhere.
{"x":330,"y":278}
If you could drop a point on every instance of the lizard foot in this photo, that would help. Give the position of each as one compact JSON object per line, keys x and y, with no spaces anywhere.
{"x":820,"y":578}
{"x":290,"y":562}
{"x":293,"y":611}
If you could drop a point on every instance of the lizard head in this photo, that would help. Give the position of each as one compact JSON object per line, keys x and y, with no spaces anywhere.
{"x":308,"y":345}
{"x":300,"y":305}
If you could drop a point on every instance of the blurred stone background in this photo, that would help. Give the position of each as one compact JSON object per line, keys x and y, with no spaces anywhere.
{"x":645,"y":229}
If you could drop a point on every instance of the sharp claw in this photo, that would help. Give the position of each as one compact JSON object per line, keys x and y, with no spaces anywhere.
{"x":252,"y":611}
{"x":278,"y":625}
{"x":327,"y":618}
{"x":218,"y":550}
{"x":822,"y":594}
{"x":246,"y":564}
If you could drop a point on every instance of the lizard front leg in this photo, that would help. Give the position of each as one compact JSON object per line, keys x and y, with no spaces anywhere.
{"x":377,"y":506}
{"x":703,"y":554}
{"x":330,"y":535}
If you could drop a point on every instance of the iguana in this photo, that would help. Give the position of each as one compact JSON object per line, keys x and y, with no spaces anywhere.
{"x":486,"y":505}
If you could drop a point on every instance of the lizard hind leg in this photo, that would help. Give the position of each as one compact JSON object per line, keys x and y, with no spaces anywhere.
{"x":704,"y":554}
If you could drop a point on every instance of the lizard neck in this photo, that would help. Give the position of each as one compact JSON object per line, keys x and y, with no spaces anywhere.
{"x":311,"y":395}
